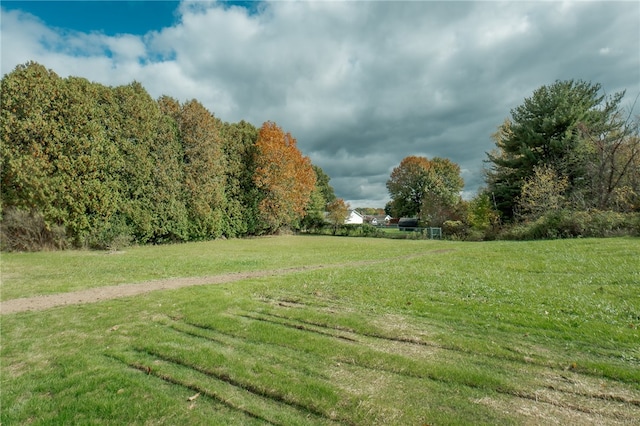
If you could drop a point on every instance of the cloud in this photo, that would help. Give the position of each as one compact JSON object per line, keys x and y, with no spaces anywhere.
{"x":361,"y":85}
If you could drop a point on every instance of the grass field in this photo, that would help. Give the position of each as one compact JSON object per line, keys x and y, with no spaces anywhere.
{"x":406,"y":332}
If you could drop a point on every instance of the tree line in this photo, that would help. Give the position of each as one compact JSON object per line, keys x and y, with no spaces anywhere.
{"x":566,"y":163}
{"x":88,"y":165}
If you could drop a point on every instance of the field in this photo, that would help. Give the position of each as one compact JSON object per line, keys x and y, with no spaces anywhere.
{"x":299,"y":330}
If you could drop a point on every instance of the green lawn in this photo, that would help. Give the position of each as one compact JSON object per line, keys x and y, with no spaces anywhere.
{"x":388,"y":332}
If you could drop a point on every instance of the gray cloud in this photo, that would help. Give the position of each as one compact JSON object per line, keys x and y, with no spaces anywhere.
{"x":361,"y":85}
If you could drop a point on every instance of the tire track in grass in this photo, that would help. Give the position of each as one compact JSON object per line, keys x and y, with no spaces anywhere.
{"x":205,"y":334}
{"x":359,"y":333}
{"x":257,"y":317}
{"x":388,"y":366}
{"x":249,"y":387}
{"x":602,"y":396}
{"x":280,"y":346}
{"x":272,"y":396}
{"x":539,"y":398}
{"x":517,"y":357}
{"x":536,"y":397}
{"x":192,"y":387}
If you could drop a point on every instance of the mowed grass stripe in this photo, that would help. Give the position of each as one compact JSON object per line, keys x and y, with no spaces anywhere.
{"x":295,"y":360}
{"x":236,"y":398}
{"x":241,"y":370}
{"x":252,"y":388}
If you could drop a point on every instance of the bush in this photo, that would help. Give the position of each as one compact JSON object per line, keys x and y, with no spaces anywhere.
{"x":348,"y":230}
{"x":114,"y":235}
{"x":27,"y":231}
{"x":455,"y":229}
{"x":572,"y":224}
{"x":365,"y":230}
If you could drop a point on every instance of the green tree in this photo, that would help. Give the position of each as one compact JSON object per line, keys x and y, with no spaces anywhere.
{"x":57,"y":155}
{"x":171,"y":218}
{"x":407,"y":185}
{"x":544,"y":130}
{"x":322,"y":183}
{"x":442,"y":192}
{"x":480,"y":212}
{"x":315,"y":211}
{"x":135,"y":116}
{"x":321,"y":196}
{"x":204,"y":170}
{"x":542,"y":192}
{"x":239,"y":147}
{"x":425,"y":188}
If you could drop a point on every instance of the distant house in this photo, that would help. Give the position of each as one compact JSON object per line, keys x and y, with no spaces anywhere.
{"x":378,"y":220}
{"x":354,"y":218}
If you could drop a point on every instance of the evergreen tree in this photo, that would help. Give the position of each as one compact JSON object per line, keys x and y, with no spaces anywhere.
{"x":239,"y":145}
{"x":544,"y":131}
{"x":204,"y":170}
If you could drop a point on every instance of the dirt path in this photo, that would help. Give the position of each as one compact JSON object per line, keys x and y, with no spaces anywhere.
{"x":92,"y":295}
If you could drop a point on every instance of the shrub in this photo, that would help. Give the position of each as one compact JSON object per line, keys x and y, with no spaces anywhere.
{"x":114,"y":236}
{"x":27,"y":231}
{"x":476,"y":235}
{"x":367,"y":230}
{"x":571,"y":224}
{"x":455,"y":229}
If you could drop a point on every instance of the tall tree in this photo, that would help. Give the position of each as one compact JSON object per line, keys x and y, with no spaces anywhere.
{"x":314,"y":216}
{"x":442,"y":192}
{"x":420,"y":187}
{"x":136,"y":115}
{"x":57,"y":155}
{"x":321,"y":196}
{"x":169,"y":198}
{"x":407,"y":186}
{"x":239,"y":146}
{"x":613,"y":169}
{"x":480,"y":212}
{"x":284,"y":177}
{"x":544,"y":131}
{"x":322,"y":182}
{"x":542,"y":192}
{"x":204,"y":170}
{"x":171,"y":219}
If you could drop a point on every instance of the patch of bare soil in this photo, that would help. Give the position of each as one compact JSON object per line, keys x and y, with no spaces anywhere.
{"x":92,"y":295}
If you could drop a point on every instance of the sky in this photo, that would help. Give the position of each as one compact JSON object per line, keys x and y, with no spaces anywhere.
{"x":360,"y":84}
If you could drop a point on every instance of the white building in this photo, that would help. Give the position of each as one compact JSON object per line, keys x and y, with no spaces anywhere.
{"x":354,"y":218}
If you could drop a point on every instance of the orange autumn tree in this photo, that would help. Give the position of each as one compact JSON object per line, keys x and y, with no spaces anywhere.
{"x":284,"y":177}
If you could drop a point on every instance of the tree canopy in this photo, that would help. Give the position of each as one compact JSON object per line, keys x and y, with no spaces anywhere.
{"x":102,"y":162}
{"x":284,"y":176}
{"x":420,"y":187}
{"x":568,"y":127}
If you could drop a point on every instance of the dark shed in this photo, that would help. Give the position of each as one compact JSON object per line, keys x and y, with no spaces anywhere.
{"x":408,"y":223}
